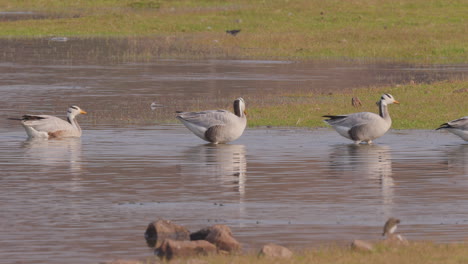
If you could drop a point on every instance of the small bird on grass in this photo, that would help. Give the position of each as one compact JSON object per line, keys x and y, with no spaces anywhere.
{"x":356,"y":102}
{"x":233,"y":31}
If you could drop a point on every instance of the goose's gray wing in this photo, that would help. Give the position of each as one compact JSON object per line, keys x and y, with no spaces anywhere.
{"x":461,"y":123}
{"x":46,"y":123}
{"x":352,"y":120}
{"x":207,"y":119}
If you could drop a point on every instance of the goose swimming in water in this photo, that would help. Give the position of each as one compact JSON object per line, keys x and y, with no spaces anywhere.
{"x":217,"y":126}
{"x":458,"y":127}
{"x":364,"y":126}
{"x":46,"y":126}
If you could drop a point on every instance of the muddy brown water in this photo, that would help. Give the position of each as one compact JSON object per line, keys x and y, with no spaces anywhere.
{"x":89,"y":200}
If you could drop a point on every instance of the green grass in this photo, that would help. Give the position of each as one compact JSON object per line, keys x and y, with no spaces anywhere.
{"x":432,"y":31}
{"x":414,"y":253}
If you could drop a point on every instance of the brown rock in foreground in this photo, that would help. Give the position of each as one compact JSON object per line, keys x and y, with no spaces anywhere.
{"x":159,"y":230}
{"x":172,"y":248}
{"x":221,"y":236}
{"x":275,"y":251}
{"x":361,"y":245}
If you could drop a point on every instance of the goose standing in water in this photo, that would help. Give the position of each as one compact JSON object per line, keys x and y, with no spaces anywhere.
{"x":46,"y":126}
{"x":364,"y":126}
{"x":458,"y":127}
{"x":217,"y":126}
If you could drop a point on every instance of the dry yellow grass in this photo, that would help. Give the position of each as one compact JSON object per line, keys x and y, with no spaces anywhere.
{"x":414,"y":253}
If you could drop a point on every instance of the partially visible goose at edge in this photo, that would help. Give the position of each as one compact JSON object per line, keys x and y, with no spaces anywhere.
{"x":217,"y":126}
{"x":47,"y":126}
{"x":458,"y":127}
{"x":364,"y":126}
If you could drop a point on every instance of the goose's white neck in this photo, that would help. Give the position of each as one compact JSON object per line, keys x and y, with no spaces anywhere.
{"x":383,"y":111}
{"x":71,"y":119}
{"x":239,"y":108}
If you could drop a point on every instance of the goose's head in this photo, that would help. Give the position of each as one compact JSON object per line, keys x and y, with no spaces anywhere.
{"x":74,"y":111}
{"x":239,"y":107}
{"x":388,"y":99}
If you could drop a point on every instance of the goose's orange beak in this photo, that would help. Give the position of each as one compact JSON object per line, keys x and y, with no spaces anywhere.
{"x":83,"y":112}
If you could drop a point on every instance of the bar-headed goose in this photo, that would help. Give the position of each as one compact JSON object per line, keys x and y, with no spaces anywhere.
{"x":217,"y":126}
{"x":458,"y":127}
{"x":364,"y":126}
{"x":46,"y":126}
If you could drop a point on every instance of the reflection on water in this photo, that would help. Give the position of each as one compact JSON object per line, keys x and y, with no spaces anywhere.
{"x":370,"y":162}
{"x":48,"y":155}
{"x":224,"y":162}
{"x":302,"y":189}
{"x":457,"y":162}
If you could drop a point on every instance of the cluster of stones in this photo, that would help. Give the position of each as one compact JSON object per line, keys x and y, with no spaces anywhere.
{"x":170,"y":240}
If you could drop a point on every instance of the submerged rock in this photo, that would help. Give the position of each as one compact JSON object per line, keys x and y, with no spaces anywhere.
{"x":172,"y":248}
{"x":275,"y":251}
{"x":158,"y":231}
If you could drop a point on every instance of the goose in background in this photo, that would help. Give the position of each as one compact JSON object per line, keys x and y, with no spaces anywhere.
{"x":458,"y":127}
{"x":217,"y":126}
{"x":46,"y":126}
{"x":364,"y":126}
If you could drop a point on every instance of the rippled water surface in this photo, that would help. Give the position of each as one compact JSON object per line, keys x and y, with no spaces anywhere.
{"x":90,"y":199}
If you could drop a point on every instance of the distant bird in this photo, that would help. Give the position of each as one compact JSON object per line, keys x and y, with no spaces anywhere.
{"x":356,"y":102}
{"x":59,"y":39}
{"x":233,"y":31}
{"x":390,"y":226}
{"x":458,"y":127}
{"x":155,"y":105}
{"x":364,"y":126}
{"x":217,"y":126}
{"x":46,"y":126}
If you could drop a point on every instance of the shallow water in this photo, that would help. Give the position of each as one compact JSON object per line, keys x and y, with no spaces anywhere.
{"x":90,"y":199}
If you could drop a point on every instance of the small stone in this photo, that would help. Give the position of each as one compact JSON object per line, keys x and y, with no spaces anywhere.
{"x":275,"y":251}
{"x":159,"y":230}
{"x":361,"y":245}
{"x":172,"y":248}
{"x":396,"y":240}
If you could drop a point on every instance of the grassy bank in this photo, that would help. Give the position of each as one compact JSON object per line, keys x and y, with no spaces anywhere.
{"x":415,"y":253}
{"x":422,"y":106}
{"x":418,"y":31}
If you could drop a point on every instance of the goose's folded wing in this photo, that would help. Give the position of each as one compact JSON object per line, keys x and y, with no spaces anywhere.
{"x":207,"y":118}
{"x":461,"y":123}
{"x":46,"y":123}
{"x":351,"y":120}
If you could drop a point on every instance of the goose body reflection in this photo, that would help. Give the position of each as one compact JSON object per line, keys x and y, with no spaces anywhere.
{"x":63,"y":154}
{"x":226,"y":163}
{"x":363,"y":163}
